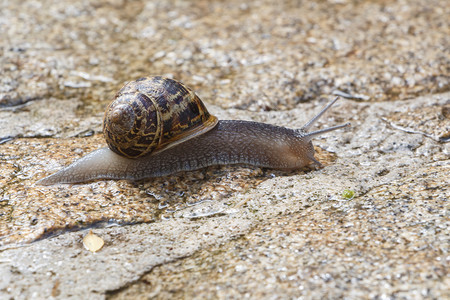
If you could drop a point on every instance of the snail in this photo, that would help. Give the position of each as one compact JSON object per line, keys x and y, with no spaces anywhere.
{"x":157,"y":126}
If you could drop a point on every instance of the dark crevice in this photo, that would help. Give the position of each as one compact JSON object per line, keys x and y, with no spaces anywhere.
{"x":8,"y":103}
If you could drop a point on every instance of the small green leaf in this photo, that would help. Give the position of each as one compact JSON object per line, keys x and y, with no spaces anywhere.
{"x":348,"y":194}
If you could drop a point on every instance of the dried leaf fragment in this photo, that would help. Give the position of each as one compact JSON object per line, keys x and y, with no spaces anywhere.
{"x":93,"y":242}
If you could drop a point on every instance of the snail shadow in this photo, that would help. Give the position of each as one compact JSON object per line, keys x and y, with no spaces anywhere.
{"x":215,"y":183}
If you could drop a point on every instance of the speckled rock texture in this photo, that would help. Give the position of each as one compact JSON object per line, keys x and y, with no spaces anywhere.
{"x":230,"y":232}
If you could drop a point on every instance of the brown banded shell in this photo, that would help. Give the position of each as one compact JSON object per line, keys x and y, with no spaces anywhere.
{"x":152,"y":114}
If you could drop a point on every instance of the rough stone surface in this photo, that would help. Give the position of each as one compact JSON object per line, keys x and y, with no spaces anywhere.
{"x":230,"y":232}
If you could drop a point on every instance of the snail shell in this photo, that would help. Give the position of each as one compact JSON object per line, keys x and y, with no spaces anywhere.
{"x":153,"y":113}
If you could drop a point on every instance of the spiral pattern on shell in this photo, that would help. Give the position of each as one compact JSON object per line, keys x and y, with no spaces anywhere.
{"x":152,"y":114}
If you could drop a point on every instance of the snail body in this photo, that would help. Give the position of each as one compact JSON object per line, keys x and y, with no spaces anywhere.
{"x":199,"y":139}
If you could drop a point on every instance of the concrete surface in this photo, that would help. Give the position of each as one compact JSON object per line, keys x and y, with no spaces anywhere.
{"x":230,"y":232}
